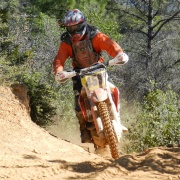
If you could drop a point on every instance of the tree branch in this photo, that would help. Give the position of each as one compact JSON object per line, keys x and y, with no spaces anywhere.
{"x":127,"y":12}
{"x":137,"y":7}
{"x":134,"y":15}
{"x":142,"y":32}
{"x":156,"y":13}
{"x":164,"y":22}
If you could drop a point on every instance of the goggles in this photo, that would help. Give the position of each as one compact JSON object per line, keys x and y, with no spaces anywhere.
{"x":75,"y":28}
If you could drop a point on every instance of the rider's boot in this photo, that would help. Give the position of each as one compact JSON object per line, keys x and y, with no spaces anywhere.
{"x":85,"y":134}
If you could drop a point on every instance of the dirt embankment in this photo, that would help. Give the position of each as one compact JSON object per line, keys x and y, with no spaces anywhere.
{"x":29,"y":152}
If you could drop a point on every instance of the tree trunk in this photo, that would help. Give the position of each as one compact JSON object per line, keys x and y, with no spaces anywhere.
{"x":150,"y":34}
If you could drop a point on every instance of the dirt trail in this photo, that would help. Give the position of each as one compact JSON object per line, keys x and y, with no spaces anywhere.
{"x":29,"y":152}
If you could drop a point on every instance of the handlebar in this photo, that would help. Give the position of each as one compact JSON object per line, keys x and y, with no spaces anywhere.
{"x":120,"y":59}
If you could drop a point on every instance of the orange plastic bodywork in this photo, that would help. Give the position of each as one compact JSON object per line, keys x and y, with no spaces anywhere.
{"x":84,"y":106}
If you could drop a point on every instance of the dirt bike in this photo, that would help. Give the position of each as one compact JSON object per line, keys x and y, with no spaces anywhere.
{"x":99,"y":103}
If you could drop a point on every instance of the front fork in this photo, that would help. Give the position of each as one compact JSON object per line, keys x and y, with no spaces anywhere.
{"x":114,"y":111}
{"x":93,"y":100}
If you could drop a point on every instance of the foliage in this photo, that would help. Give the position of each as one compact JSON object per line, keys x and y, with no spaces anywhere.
{"x":157,"y":122}
{"x":18,"y":62}
{"x":151,"y":32}
{"x":30,"y":40}
{"x":41,"y":99}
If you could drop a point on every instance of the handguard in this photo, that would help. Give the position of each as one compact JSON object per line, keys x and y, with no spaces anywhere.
{"x":121,"y":59}
{"x":63,"y":76}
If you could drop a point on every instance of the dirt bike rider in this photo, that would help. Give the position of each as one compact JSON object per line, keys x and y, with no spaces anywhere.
{"x":84,"y":44}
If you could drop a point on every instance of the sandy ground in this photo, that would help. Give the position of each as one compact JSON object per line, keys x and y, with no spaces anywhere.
{"x":31,"y":153}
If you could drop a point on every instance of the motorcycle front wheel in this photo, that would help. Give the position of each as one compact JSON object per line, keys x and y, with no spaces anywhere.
{"x":108,"y":129}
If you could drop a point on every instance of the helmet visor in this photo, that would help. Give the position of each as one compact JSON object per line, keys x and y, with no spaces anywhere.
{"x":75,"y":28}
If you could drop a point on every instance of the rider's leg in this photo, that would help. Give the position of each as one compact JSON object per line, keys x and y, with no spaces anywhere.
{"x":85,"y":134}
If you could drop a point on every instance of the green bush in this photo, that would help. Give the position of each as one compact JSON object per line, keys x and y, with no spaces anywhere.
{"x":41,"y":99}
{"x":157,"y":122}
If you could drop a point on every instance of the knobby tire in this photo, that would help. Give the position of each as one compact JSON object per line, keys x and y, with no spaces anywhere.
{"x":108,"y":129}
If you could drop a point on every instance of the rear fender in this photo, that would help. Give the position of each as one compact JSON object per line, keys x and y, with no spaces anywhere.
{"x":115,"y":97}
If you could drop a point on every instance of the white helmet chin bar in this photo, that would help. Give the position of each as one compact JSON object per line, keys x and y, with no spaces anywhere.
{"x":78,"y":35}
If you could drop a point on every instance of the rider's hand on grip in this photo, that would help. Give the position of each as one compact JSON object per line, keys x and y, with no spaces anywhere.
{"x":63,"y":76}
{"x":121,"y":59}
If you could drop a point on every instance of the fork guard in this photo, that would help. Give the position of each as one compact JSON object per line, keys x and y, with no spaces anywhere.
{"x":99,"y":95}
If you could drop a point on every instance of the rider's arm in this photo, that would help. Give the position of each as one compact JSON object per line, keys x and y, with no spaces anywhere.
{"x":103,"y":42}
{"x":64,"y":52}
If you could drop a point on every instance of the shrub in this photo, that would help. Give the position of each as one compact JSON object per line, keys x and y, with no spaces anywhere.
{"x":41,"y":100}
{"x":157,"y":122}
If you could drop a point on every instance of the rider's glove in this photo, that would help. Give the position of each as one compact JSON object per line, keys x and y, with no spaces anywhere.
{"x":63,"y":76}
{"x":121,"y":59}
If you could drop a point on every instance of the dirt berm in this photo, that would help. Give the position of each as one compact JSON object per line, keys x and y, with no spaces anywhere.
{"x":28,"y":152}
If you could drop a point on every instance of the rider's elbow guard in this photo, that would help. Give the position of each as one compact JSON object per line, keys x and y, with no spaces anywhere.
{"x":125,"y":58}
{"x":121,"y":59}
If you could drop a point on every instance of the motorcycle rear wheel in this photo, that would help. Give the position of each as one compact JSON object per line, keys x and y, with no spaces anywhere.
{"x":108,"y":129}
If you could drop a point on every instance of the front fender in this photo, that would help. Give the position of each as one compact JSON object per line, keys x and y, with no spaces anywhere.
{"x":99,"y":95}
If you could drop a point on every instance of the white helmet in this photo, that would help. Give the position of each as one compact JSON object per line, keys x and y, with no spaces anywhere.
{"x":75,"y":23}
